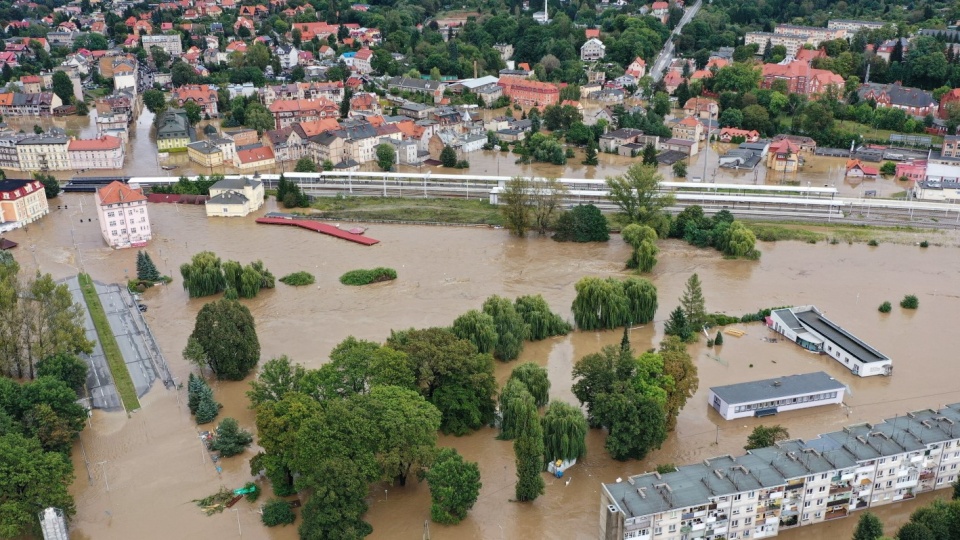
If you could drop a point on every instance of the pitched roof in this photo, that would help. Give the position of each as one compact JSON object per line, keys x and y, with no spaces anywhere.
{"x":105,"y":142}
{"x":252,"y":155}
{"x":117,"y":192}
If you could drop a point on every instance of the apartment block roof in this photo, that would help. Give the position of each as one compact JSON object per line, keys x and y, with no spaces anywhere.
{"x":691,"y":485}
{"x":117,"y":192}
{"x":815,"y":321}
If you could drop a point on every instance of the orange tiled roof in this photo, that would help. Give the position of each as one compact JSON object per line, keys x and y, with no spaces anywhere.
{"x":106,"y":142}
{"x":252,"y":155}
{"x":118,"y":192}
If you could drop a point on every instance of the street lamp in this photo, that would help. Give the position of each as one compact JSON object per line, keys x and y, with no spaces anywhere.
{"x":240,"y":530}
{"x":104,"y":471}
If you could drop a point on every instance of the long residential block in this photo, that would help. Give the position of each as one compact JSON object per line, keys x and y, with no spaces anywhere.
{"x":792,"y":484}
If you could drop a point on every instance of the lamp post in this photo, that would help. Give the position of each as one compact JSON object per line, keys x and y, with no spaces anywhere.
{"x":104,"y":471}
{"x":239,"y":529}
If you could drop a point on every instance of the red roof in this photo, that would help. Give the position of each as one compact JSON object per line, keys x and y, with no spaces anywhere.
{"x":117,"y":192}
{"x":253,"y":155}
{"x":106,"y":142}
{"x":363,"y":54}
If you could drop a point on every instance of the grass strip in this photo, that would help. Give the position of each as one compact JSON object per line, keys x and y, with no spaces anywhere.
{"x":410,"y":209}
{"x":118,"y":368}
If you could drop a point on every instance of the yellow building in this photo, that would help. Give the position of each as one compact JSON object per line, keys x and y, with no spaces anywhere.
{"x":173,"y":130}
{"x":44,"y":153}
{"x":205,"y":154}
{"x":783,"y":156}
{"x":22,"y":202}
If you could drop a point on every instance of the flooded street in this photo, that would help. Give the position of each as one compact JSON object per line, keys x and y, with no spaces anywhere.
{"x":155,"y":466}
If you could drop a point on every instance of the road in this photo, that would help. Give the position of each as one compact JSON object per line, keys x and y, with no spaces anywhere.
{"x":666,"y":54}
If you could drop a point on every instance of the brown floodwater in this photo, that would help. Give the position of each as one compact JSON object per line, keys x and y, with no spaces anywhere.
{"x":155,"y":466}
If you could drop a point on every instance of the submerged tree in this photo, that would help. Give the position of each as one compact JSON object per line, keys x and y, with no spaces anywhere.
{"x":693,"y":304}
{"x":478,"y":328}
{"x":454,"y":487}
{"x":528,"y":449}
{"x":231,"y":439}
{"x":564,"y":432}
{"x":514,"y":399}
{"x":146,"y":270}
{"x":682,"y":371}
{"x":542,"y":322}
{"x":764,"y":436}
{"x":515,"y":199}
{"x":678,"y":325}
{"x":535,"y":379}
{"x":203,"y":276}
{"x":602,"y":304}
{"x":227,"y":333}
{"x":643,"y":240}
{"x":512,"y":331}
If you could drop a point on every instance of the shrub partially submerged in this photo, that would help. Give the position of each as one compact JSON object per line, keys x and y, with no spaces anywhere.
{"x":366,"y":277}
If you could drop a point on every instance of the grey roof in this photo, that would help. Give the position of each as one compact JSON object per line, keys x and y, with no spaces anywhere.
{"x":204,"y":147}
{"x":780,"y":387}
{"x":903,"y":96}
{"x":228,"y":197}
{"x":814,"y":320}
{"x":421,"y":85}
{"x":790,"y":319}
{"x":690,"y":485}
{"x":622,"y":133}
{"x":236,"y":183}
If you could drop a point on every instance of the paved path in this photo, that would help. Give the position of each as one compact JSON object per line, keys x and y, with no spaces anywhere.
{"x":140,"y":352}
{"x":666,"y":54}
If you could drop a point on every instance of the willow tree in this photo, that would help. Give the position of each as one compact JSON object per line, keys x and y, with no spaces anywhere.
{"x":478,"y":328}
{"x":528,"y":450}
{"x":641,"y":297}
{"x":741,"y":242}
{"x":514,"y":398}
{"x":643,"y":240}
{"x":600,"y":304}
{"x":542,"y":322}
{"x":512,"y":331}
{"x":564,"y":432}
{"x":203,"y":276}
{"x":536,"y":381}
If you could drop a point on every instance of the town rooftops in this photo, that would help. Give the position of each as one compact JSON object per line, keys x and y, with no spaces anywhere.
{"x":903,"y":96}
{"x":204,"y":147}
{"x":814,"y":320}
{"x":780,"y":387}
{"x":117,"y":192}
{"x":19,"y":188}
{"x":106,"y":142}
{"x":253,"y":155}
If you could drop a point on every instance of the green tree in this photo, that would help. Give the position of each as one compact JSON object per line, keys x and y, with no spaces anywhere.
{"x":650,"y":155}
{"x":448,"y":156}
{"x":638,"y":195}
{"x":536,"y":381}
{"x":227,"y":332}
{"x":591,"y":154}
{"x":737,"y":77}
{"x":386,"y":156}
{"x":636,"y":423}
{"x":678,"y":325}
{"x":564,"y":432}
{"x":512,"y":331}
{"x":207,"y":407}
{"x":452,"y":375}
{"x":868,"y":528}
{"x":478,"y":328}
{"x":741,"y":242}
{"x":305,"y":164}
{"x":661,"y":104}
{"x":528,"y":449}
{"x":257,"y":55}
{"x":230,"y":438}
{"x":764,"y":436}
{"x":146,"y":270}
{"x":63,"y":86}
{"x":51,"y":186}
{"x":643,"y":240}
{"x":277,"y":378}
{"x":194,"y":112}
{"x":595,"y":374}
{"x":681,"y":371}
{"x":257,"y":117}
{"x":543,"y":322}
{"x":515,"y":205}
{"x":600,"y":304}
{"x":680,"y":169}
{"x":693,"y":304}
{"x":277,"y":512}
{"x":155,"y":101}
{"x":583,"y":223}
{"x":454,"y":487}
{"x":65,"y":367}
{"x":915,"y":531}
{"x":195,"y":354}
{"x":31,"y":479}
{"x":203,"y":276}
{"x":545,"y":198}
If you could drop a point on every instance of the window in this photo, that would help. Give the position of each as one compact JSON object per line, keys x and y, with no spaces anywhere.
{"x":806,"y":504}
{"x":658,"y":531}
{"x":747,"y":522}
{"x":806,"y":517}
{"x":818,"y":515}
{"x":673,"y":528}
{"x":736,"y":497}
{"x":735,"y":523}
{"x":819,"y":502}
{"x":889,"y":483}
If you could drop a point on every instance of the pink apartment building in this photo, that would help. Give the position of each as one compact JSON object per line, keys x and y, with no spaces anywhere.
{"x":105,"y":152}
{"x":122,"y":211}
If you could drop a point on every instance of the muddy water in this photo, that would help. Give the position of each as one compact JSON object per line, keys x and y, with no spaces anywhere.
{"x":154,"y":464}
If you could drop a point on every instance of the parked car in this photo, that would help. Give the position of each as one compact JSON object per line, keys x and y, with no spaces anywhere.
{"x":142,"y":307}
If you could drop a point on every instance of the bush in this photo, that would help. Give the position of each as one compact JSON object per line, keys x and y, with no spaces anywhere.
{"x":584,"y":223}
{"x":231,"y":439}
{"x":253,"y":495}
{"x":666,"y":467}
{"x":909,"y":302}
{"x":873,"y":243}
{"x":277,"y":512}
{"x":366,"y":277}
{"x":298,"y":279}
{"x":885,"y":307}
{"x":924,"y":244}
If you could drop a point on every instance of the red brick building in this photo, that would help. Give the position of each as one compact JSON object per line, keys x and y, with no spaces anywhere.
{"x":952,"y":96}
{"x":201,"y":94}
{"x":801,"y":78}
{"x":287,"y":112}
{"x":527,"y":93}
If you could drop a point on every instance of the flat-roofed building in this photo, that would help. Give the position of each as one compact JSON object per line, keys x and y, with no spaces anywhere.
{"x":770,"y":396}
{"x":809,"y":328}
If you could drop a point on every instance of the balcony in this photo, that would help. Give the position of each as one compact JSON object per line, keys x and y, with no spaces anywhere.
{"x":836,"y":514}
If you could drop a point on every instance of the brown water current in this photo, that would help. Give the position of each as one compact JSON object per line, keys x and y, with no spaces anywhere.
{"x":155,"y":466}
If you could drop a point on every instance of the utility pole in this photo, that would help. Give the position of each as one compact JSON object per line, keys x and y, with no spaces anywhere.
{"x":104,"y":471}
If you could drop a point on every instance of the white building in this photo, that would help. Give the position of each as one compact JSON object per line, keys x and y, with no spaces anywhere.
{"x":770,"y":396}
{"x":592,"y":49}
{"x":289,"y":56}
{"x":169,"y":43}
{"x":807,"y":327}
{"x":792,"y":484}
{"x":235,"y":197}
{"x":122,"y":212}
